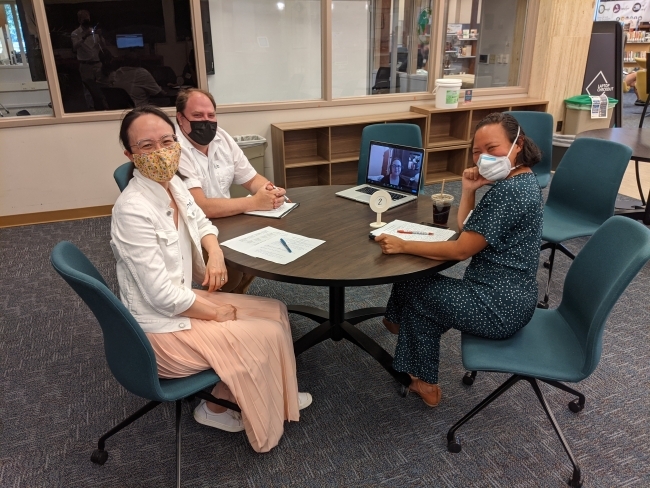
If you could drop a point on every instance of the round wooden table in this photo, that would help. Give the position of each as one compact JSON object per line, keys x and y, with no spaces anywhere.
{"x":347,"y":258}
{"x":639,"y":141}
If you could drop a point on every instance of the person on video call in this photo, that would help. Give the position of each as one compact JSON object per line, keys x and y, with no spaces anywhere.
{"x":211,"y":161}
{"x":393,"y":178}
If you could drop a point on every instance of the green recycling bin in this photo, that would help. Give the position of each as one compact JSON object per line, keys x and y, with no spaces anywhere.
{"x":577,"y":115}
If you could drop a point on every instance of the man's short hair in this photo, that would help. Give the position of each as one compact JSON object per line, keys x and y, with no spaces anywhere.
{"x":184,"y":95}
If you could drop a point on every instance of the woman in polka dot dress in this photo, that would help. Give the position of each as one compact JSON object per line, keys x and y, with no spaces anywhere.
{"x":498,"y":293}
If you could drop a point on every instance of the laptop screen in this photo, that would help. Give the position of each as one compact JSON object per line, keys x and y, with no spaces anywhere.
{"x":395,"y":167}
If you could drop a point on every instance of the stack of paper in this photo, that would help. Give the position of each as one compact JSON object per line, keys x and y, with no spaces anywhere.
{"x":421,"y":232}
{"x":267,"y":244}
{"x":277,"y":213}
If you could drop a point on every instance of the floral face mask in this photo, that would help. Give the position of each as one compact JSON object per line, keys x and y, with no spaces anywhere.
{"x":160,"y":165}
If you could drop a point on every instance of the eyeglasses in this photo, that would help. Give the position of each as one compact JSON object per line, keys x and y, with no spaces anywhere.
{"x":148,"y":145}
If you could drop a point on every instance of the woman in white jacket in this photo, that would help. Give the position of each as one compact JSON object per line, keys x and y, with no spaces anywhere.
{"x":157,"y":233}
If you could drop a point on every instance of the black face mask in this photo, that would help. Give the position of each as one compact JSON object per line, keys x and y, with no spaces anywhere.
{"x":203,"y":131}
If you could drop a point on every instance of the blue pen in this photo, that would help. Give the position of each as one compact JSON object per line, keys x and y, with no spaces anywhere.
{"x":285,"y":244}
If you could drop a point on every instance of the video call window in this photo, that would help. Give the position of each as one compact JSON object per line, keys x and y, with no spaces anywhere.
{"x":398,"y":168}
{"x":21,"y":63}
{"x":114,"y":55}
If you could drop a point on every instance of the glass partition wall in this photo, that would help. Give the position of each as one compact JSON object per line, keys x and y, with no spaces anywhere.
{"x":484,"y":42}
{"x":380,"y":46}
{"x":23,"y":84}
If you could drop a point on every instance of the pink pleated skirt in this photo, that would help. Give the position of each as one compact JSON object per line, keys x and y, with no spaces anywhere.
{"x":253,"y":355}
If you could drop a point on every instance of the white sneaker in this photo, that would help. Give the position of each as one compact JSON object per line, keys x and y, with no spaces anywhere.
{"x":304,"y":400}
{"x":230,"y":421}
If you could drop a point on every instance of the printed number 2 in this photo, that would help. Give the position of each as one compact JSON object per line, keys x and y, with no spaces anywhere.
{"x":380,"y":201}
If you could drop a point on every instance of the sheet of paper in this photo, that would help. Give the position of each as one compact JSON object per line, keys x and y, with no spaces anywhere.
{"x":277,"y":213}
{"x":265,"y":244}
{"x":392,"y":228}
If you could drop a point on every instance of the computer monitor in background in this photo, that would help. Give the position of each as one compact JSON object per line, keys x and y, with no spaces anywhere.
{"x":124,"y":41}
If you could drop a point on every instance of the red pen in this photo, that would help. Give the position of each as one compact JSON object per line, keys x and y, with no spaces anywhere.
{"x":418,"y":232}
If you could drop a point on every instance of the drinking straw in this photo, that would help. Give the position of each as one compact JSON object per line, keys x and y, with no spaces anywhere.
{"x":442,"y":190}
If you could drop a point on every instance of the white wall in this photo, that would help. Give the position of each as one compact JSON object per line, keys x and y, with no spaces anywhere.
{"x":350,"y":48}
{"x":263,"y":53}
{"x":67,"y":166}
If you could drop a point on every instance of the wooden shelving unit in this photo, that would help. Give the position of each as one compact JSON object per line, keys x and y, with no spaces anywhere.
{"x":326,"y":152}
{"x":449,"y":132}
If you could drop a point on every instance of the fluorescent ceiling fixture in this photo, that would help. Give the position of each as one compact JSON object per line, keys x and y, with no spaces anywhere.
{"x":280,"y":5}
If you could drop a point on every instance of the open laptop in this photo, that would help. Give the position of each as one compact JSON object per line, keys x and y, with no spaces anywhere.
{"x":391,"y":167}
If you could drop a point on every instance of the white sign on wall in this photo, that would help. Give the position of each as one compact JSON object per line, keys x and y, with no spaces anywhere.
{"x":633,"y":11}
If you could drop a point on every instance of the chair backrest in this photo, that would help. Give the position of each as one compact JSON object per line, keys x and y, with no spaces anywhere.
{"x":539,"y":127}
{"x":382,"y":79}
{"x":128,"y":351}
{"x":123,"y":175}
{"x":587,"y":180}
{"x":117,"y":98}
{"x":403,"y":134}
{"x":599,"y":275}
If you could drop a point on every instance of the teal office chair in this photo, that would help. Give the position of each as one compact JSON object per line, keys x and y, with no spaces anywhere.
{"x":402,"y":134}
{"x":128,"y":351}
{"x":582,"y":195}
{"x":123,"y":175}
{"x":539,"y":127}
{"x":564,"y":344}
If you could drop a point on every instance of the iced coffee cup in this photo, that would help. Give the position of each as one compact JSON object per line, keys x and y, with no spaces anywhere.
{"x":441,"y":207}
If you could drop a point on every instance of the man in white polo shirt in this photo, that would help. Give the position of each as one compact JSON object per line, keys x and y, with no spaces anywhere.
{"x":211,"y":161}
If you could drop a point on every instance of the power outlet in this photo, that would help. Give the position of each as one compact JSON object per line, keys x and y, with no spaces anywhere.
{"x":558,"y":126}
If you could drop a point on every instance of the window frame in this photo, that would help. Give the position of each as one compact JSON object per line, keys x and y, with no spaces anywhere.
{"x":439,"y":12}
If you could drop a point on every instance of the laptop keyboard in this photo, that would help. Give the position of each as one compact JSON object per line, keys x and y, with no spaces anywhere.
{"x":369,"y":190}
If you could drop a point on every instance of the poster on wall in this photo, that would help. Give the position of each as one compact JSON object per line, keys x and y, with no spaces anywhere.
{"x":634,"y":11}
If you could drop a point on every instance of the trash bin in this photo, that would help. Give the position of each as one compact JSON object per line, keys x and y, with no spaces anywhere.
{"x":577,"y":115}
{"x":560,"y":144}
{"x":253,"y":147}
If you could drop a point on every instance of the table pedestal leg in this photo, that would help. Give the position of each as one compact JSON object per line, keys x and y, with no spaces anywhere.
{"x":339,"y":325}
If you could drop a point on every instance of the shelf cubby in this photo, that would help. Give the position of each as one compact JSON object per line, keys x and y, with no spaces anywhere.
{"x":306,"y":146}
{"x":447,"y":164}
{"x":344,"y":173}
{"x":448,"y":129}
{"x":308,"y":176}
{"x":345,"y":142}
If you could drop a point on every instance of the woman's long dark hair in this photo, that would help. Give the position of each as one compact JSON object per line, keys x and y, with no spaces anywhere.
{"x":530,"y":154}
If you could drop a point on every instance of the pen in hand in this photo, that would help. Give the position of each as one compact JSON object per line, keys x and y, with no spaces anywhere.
{"x":286,"y":198}
{"x":285,"y":244}
{"x":418,"y":232}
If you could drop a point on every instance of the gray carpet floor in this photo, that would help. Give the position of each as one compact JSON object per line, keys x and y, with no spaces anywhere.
{"x":57,"y":397}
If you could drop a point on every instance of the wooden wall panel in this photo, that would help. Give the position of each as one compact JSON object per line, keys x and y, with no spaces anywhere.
{"x":561,"y":48}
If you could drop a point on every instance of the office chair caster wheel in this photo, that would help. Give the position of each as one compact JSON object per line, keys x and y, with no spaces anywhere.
{"x":454,"y":446}
{"x":575,"y":406}
{"x":542,"y":305}
{"x":99,"y":456}
{"x":468,"y":379}
{"x":547,"y":264}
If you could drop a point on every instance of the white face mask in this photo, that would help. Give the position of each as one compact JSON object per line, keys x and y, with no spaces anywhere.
{"x":496,"y":168}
